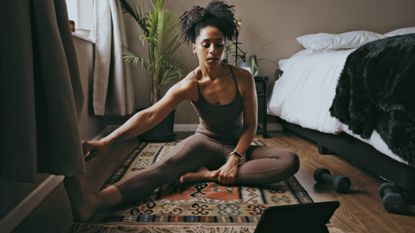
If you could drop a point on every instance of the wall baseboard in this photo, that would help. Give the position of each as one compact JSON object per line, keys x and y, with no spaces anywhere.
{"x":29,"y":203}
{"x":193,"y":127}
{"x":25,"y":207}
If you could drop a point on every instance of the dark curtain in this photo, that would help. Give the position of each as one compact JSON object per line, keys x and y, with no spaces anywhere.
{"x":40,"y":90}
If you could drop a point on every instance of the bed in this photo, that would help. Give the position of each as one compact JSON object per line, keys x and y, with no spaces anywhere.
{"x":307,"y":96}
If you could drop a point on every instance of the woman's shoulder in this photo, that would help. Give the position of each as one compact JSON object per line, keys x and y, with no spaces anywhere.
{"x":187,"y":86}
{"x":242,"y":75}
{"x":190,"y":80}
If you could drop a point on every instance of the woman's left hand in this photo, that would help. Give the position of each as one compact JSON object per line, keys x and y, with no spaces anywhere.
{"x":227,"y":173}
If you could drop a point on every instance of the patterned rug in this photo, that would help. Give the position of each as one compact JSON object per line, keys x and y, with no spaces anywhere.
{"x":200,"y":207}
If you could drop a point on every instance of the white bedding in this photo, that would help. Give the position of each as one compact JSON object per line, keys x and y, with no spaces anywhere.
{"x":304,"y":93}
{"x":376,"y":141}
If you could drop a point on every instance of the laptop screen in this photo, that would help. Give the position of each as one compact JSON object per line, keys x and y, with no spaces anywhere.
{"x":311,"y":217}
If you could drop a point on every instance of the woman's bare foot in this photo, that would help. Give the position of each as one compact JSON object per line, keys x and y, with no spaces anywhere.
{"x":203,"y":174}
{"x":84,"y":202}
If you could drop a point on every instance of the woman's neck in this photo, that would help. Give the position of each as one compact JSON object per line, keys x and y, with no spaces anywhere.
{"x":212,"y":72}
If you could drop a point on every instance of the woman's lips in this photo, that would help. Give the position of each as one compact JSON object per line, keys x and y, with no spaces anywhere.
{"x":212,"y":59}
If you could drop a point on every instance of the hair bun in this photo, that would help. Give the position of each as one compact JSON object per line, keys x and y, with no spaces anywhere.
{"x":217,"y":14}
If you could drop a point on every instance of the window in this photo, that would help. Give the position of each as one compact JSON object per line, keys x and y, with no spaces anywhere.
{"x":82,"y":13}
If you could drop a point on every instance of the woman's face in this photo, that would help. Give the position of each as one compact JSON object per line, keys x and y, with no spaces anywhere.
{"x":209,"y":46}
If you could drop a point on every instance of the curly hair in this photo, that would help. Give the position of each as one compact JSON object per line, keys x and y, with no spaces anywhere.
{"x":217,"y":14}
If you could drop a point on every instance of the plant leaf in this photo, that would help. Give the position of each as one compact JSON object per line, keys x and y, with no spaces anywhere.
{"x":136,"y":14}
{"x":162,"y":38}
{"x":131,"y":57}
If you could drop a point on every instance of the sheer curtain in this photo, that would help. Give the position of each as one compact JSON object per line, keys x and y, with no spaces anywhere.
{"x":113,"y":92}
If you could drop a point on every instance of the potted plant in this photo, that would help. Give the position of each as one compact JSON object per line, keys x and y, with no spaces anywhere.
{"x":250,"y":64}
{"x":160,"y":35}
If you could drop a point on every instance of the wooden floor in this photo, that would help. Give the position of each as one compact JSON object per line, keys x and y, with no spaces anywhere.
{"x":360,"y":211}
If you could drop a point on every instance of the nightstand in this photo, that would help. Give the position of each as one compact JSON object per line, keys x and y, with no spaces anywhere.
{"x":261,"y":90}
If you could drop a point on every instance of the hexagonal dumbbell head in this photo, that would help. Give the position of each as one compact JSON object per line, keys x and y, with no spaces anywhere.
{"x":393,"y":201}
{"x":387,"y":188}
{"x":341,"y":184}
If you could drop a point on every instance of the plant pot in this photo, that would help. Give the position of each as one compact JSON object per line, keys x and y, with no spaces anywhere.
{"x":163,"y":132}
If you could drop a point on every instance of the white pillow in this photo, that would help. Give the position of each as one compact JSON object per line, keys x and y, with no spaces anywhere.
{"x":346,"y":40}
{"x":400,"y":31}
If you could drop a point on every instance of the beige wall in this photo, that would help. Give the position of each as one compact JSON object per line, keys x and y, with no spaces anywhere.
{"x":89,"y":125}
{"x":269,"y":28}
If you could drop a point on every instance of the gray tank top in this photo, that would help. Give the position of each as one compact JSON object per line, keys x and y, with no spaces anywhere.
{"x":221,"y":122}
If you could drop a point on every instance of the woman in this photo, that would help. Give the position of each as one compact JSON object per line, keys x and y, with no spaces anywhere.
{"x":224,"y":98}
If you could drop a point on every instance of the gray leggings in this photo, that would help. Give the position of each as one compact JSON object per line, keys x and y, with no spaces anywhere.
{"x":263,"y":165}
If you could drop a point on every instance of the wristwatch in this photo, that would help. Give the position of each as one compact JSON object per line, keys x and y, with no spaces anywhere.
{"x":237,"y":155}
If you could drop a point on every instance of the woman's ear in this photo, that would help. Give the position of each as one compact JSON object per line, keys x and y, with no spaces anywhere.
{"x":194,"y":48}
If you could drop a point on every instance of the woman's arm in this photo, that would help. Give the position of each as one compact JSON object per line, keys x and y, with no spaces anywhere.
{"x":227,"y":173}
{"x":249,"y":96}
{"x":149,"y":117}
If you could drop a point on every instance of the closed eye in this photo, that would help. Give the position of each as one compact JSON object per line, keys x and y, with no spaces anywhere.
{"x":206,"y":44}
{"x":219,"y":46}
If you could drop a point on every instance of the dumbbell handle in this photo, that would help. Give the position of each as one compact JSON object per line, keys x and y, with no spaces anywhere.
{"x":327,"y":177}
{"x":340,"y":183}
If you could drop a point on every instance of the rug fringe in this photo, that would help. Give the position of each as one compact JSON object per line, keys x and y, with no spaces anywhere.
{"x":91,"y":228}
{"x":108,"y":228}
{"x":122,"y":228}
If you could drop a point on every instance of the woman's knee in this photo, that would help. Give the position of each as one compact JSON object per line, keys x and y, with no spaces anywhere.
{"x":293,"y":161}
{"x":269,"y":167}
{"x":288,"y":159}
{"x":289,"y":164}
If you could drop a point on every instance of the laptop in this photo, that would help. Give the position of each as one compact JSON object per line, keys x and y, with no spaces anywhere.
{"x":310,"y":218}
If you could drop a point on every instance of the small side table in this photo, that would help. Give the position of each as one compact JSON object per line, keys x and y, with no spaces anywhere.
{"x":261,"y":90}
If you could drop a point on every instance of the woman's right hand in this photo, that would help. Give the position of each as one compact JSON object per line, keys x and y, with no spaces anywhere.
{"x":91,"y":149}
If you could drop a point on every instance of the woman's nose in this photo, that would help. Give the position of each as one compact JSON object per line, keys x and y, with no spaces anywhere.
{"x":212,"y":49}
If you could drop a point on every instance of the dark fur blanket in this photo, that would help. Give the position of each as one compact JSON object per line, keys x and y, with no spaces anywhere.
{"x":376,"y":91}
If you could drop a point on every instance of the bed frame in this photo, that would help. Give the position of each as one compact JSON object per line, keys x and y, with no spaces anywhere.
{"x":361,"y":155}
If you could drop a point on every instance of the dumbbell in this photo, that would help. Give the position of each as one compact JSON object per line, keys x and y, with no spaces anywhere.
{"x":392,"y":200}
{"x":341,"y":184}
